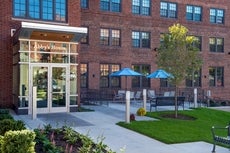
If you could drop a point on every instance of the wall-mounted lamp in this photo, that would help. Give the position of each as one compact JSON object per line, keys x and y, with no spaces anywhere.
{"x":93,"y":75}
{"x":205,"y":76}
{"x":155,"y":49}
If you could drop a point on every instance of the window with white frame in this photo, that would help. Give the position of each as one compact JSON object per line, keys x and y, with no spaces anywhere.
{"x":217,"y":16}
{"x":168,"y":10}
{"x":110,"y":5}
{"x":141,"y":7}
{"x":47,"y":10}
{"x":141,"y":39}
{"x":193,"y":13}
{"x":110,"y":37}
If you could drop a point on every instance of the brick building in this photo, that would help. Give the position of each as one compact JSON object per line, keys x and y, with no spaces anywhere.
{"x":39,"y":46}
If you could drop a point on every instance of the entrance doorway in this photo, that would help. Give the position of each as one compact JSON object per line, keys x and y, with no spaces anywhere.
{"x":51,"y":86}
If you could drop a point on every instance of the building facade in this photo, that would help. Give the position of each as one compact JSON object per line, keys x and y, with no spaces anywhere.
{"x":40,"y":47}
{"x":126,"y":33}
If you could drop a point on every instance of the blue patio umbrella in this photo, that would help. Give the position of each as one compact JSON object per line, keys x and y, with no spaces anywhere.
{"x":162,"y":74}
{"x":125,"y":72}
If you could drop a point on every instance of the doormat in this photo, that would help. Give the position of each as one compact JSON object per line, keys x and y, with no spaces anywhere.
{"x":57,"y":120}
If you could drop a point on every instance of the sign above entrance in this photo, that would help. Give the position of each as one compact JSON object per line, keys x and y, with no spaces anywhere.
{"x":51,"y":32}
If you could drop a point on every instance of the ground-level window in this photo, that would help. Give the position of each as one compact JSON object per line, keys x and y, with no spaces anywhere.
{"x":84,"y":75}
{"x":140,"y":82}
{"x":107,"y":81}
{"x":194,"y":80}
{"x":216,"y":76}
{"x":165,"y":83}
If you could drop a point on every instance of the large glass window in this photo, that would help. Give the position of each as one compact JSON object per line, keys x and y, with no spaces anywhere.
{"x":216,"y":76}
{"x":110,"y":37}
{"x":140,"y":82}
{"x":48,"y":10}
{"x":216,"y":44}
{"x":110,"y":5}
{"x":84,"y":3}
{"x":193,"y":13}
{"x":217,"y":16}
{"x":105,"y":80}
{"x":141,"y":7}
{"x":168,"y":10}
{"x":141,"y":39}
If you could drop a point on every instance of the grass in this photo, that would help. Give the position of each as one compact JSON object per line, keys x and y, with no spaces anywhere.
{"x":179,"y":131}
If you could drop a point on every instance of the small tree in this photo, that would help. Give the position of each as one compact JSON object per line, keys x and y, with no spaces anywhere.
{"x":178,"y":56}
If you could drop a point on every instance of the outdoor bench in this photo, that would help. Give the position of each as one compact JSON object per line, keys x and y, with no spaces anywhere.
{"x":166,"y":101}
{"x":220,"y":135}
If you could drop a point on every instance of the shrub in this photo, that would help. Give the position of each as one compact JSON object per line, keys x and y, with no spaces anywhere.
{"x":5,"y":116}
{"x":18,"y":141}
{"x":4,"y":111}
{"x":9,"y":124}
{"x":141,"y":111}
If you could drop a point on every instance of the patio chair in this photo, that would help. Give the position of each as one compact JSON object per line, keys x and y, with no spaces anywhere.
{"x":151,"y":94}
{"x":172,"y":93}
{"x":166,"y":94}
{"x":132,"y":97}
{"x":138,"y":95}
{"x":120,"y":95}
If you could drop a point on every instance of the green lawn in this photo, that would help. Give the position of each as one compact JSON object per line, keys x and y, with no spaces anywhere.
{"x":178,"y":131}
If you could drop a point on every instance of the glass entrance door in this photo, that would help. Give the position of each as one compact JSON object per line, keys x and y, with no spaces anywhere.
{"x":51,"y":88}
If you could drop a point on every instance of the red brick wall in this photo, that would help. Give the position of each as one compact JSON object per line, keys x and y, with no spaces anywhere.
{"x":94,"y":54}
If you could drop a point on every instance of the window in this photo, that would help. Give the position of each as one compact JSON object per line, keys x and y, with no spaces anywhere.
{"x":193,"y":13}
{"x":168,"y":10}
{"x":165,"y":83}
{"x":85,"y":40}
{"x":84,"y":75}
{"x":110,"y":5}
{"x":48,"y":10}
{"x":216,"y":76}
{"x":141,"y":39}
{"x":141,"y":7}
{"x":198,"y":42}
{"x":194,"y":80}
{"x":141,"y":82}
{"x":110,"y":37}
{"x":105,"y":80}
{"x":217,"y":16}
{"x":216,"y":44}
{"x":84,"y":3}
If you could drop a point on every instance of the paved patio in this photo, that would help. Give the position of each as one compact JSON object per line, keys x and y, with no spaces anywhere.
{"x":96,"y":124}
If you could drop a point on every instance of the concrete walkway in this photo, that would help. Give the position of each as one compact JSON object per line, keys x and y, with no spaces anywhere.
{"x":102,"y":123}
